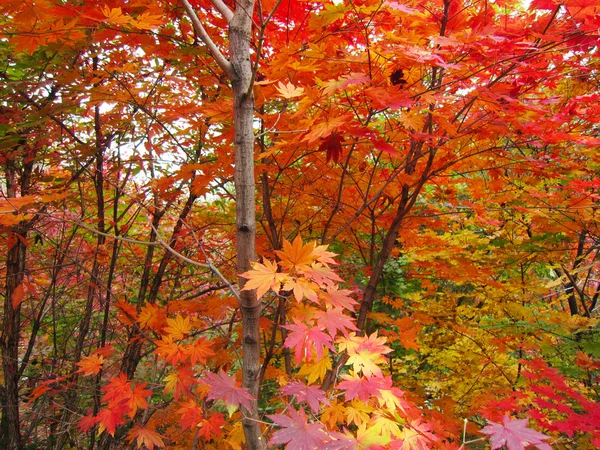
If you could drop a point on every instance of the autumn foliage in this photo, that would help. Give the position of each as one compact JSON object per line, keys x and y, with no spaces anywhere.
{"x":426,"y":182}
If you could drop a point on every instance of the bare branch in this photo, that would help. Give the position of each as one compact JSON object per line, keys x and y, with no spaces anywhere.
{"x":208,"y":265}
{"x":212,"y":48}
{"x":223,"y":9}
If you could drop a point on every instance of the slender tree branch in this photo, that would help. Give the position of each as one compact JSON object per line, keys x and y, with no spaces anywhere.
{"x":223,"y":9}
{"x":195,"y":263}
{"x":223,"y":62}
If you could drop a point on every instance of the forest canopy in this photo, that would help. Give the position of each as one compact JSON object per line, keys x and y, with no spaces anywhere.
{"x":353,"y":224}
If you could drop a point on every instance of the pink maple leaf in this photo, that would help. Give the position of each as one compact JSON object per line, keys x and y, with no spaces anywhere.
{"x":334,"y":319}
{"x":363,"y":387}
{"x":296,"y":432}
{"x":313,"y":395}
{"x":225,"y":387}
{"x":341,"y":441}
{"x":514,"y":434}
{"x":304,"y":339}
{"x":339,"y":297}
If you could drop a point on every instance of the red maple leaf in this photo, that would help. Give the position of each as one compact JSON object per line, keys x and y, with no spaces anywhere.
{"x":87,"y":422}
{"x":117,"y":390}
{"x":110,"y":417}
{"x":514,"y":434}
{"x":296,"y":432}
{"x":139,"y":394}
{"x":333,"y":146}
{"x":212,"y":426}
{"x":191,"y":414}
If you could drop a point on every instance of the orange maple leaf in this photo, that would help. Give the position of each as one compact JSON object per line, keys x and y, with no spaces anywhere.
{"x":198,"y":351}
{"x":38,"y":391}
{"x":297,"y":255}
{"x":150,"y":316}
{"x":18,"y":295}
{"x":263,"y":277}
{"x":115,"y":15}
{"x":126,"y":312}
{"x":138,"y":398}
{"x":144,"y":436}
{"x":147,"y":21}
{"x":179,"y":381}
{"x":323,"y":256}
{"x":169,"y":350}
{"x":322,"y":275}
{"x":191,"y":414}
{"x":90,"y":365}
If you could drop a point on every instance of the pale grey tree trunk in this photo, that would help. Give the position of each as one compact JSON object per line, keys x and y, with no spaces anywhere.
{"x":239,"y":70}
{"x":240,"y":29}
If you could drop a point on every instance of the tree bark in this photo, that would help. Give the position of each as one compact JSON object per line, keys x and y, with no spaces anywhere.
{"x":15,"y":268}
{"x":240,"y":29}
{"x":10,"y":434}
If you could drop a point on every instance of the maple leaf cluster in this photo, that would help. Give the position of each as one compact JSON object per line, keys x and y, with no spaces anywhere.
{"x":447,"y":150}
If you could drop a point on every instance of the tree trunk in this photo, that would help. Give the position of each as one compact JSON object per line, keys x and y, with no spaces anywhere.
{"x":10,"y":434}
{"x":15,"y":268}
{"x":243,"y":115}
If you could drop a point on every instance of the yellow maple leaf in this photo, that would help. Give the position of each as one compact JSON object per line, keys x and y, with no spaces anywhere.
{"x":263,"y":277}
{"x":302,"y":288}
{"x":236,"y":437}
{"x":178,"y":327}
{"x":171,"y":382}
{"x":365,"y":352}
{"x":417,"y":435}
{"x":358,"y":413}
{"x":388,"y":399}
{"x":365,"y":362}
{"x":316,"y":371}
{"x":386,"y":427}
{"x":334,"y":414}
{"x":350,"y":343}
{"x":371,"y":436}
